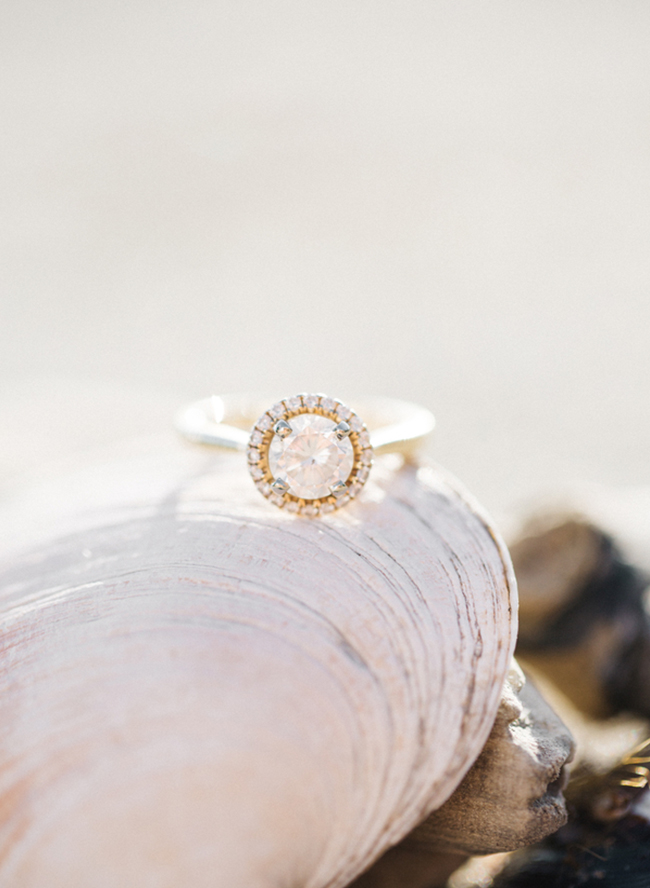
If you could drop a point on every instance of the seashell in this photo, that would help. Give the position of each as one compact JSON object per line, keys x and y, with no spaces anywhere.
{"x":199,"y":689}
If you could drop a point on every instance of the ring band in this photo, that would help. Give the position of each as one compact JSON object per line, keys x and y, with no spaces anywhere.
{"x":309,"y":454}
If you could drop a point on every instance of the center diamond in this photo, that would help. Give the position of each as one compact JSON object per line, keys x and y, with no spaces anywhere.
{"x":312,"y":458}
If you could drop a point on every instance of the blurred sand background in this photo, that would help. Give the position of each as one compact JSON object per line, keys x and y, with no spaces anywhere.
{"x":447,"y":202}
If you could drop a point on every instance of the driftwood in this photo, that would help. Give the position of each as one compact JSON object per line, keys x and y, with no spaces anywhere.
{"x":607,"y":840}
{"x":197,"y":689}
{"x":585,"y":631}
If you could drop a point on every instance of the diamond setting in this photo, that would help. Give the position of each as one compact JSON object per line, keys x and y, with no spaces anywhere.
{"x":311,"y":458}
{"x":311,"y":468}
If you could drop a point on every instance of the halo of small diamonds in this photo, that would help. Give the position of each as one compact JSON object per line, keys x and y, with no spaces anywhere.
{"x":343,"y":440}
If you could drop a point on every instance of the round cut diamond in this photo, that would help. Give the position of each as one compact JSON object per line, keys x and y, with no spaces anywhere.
{"x":312,"y":458}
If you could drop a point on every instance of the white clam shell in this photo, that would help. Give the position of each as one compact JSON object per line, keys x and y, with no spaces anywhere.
{"x":199,"y":688}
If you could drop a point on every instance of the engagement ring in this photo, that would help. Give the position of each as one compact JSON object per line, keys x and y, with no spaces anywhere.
{"x":308,"y":454}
